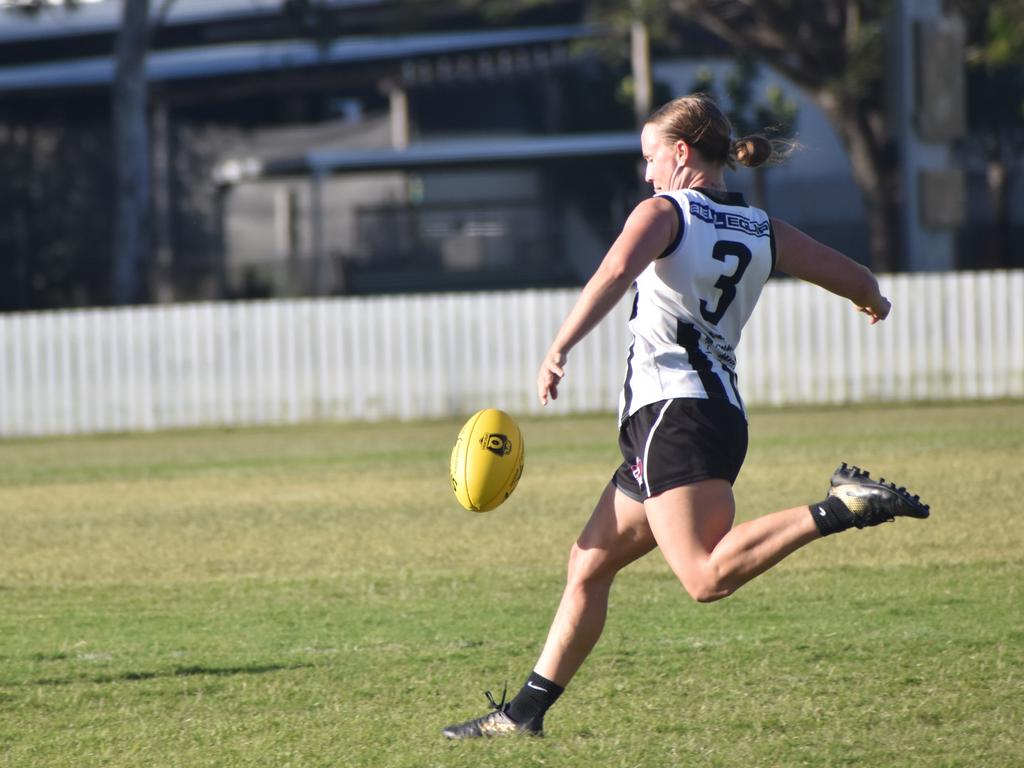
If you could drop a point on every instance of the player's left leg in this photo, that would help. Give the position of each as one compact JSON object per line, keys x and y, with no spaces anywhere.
{"x":693,"y":527}
{"x":616,"y":534}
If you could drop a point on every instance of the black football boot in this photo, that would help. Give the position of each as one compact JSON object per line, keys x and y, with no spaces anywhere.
{"x":873,"y":501}
{"x":494,"y":723}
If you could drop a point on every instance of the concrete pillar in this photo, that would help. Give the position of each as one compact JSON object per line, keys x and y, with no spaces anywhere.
{"x":399,"y":104}
{"x":928,"y":114}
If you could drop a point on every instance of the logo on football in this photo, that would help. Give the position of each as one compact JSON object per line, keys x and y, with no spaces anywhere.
{"x":499,"y":445}
{"x":487,"y":460}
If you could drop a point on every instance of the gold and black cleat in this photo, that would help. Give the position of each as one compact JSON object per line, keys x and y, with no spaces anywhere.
{"x":873,"y":501}
{"x":494,"y":723}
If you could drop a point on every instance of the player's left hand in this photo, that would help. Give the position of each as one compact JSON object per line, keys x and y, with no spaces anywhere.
{"x":879,"y":311}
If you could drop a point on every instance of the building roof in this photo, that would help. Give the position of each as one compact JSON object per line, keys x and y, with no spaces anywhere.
{"x":447,"y":153}
{"x":104,"y":16}
{"x":247,"y":58}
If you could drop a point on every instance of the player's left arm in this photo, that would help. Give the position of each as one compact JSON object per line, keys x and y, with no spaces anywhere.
{"x":801,"y":256}
{"x":646,"y":234}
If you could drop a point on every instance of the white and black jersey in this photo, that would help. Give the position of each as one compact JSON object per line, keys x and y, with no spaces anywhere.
{"x":693,"y":301}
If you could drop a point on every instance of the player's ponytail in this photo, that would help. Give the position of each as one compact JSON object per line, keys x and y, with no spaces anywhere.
{"x":751,"y":151}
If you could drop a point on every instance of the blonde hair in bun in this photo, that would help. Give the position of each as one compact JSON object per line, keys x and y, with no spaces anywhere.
{"x":701,"y":123}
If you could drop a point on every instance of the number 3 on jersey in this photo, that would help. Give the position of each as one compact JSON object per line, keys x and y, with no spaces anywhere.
{"x":726,"y":283}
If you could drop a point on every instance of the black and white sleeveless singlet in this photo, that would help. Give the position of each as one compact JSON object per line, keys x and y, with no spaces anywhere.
{"x":693,"y":301}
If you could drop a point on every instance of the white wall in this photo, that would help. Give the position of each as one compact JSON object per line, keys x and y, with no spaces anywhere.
{"x":410,"y":357}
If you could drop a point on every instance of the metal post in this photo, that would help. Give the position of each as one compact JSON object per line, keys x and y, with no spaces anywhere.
{"x":162,"y":277}
{"x":220,"y":201}
{"x":640,"y":61}
{"x":319,"y":287}
{"x":286,"y":237}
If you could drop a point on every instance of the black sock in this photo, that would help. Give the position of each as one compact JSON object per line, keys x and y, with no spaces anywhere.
{"x":831,"y":516}
{"x":536,"y":696}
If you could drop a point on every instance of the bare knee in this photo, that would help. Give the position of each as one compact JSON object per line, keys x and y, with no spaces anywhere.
{"x":587,"y":569}
{"x":580,"y":569}
{"x":706,"y":595}
{"x":706,"y":585}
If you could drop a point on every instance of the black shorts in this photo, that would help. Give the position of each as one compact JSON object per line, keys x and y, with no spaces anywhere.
{"x":678,"y":442}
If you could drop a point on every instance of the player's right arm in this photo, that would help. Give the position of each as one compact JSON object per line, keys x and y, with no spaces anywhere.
{"x":647,"y":232}
{"x":800,"y":255}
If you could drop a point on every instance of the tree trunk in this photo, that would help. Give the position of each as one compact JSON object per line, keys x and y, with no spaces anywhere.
{"x":131,"y":154}
{"x":997,"y":178}
{"x":883,"y":206}
{"x":640,"y":65}
{"x":876,"y":176}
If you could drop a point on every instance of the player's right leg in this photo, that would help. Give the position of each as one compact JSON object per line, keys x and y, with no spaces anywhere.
{"x":616,"y":535}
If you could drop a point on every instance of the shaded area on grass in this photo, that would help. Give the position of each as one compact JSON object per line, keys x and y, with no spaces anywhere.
{"x":195,"y":671}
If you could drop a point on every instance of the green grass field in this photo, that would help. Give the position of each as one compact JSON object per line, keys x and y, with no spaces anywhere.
{"x":315,"y":597}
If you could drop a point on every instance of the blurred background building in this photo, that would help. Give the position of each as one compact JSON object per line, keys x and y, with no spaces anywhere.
{"x":379,"y":146}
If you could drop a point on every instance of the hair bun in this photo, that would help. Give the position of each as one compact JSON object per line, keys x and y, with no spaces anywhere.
{"x":751,"y":151}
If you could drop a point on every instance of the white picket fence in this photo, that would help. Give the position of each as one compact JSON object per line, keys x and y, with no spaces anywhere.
{"x":950,"y":336}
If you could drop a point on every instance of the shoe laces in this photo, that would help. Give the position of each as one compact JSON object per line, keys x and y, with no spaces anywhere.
{"x":498,"y":706}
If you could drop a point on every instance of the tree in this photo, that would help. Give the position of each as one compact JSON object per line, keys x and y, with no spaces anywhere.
{"x":130,"y":132}
{"x":132,"y":151}
{"x":775,"y":115}
{"x":53,"y":168}
{"x":132,"y":198}
{"x":835,"y":50}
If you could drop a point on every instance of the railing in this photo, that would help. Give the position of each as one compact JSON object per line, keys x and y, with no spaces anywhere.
{"x":950,"y":336}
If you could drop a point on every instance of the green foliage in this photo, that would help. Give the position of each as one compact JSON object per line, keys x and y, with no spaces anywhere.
{"x":995,"y":70}
{"x":774,"y":114}
{"x":55,"y":184}
{"x":315,"y":597}
{"x":1006,"y":35}
{"x":995,"y":31}
{"x":865,"y":55}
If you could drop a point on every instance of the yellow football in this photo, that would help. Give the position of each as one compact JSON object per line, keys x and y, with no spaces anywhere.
{"x":487,"y":460}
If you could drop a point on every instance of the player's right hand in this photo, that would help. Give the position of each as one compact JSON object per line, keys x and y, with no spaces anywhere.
{"x":551,"y":372}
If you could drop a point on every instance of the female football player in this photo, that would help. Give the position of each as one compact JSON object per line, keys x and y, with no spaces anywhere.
{"x":699,"y":256}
